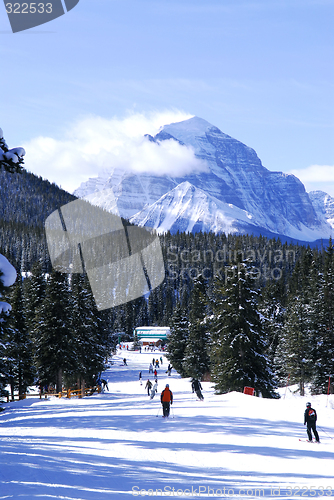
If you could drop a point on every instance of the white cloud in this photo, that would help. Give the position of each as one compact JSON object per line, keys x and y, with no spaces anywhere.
{"x":317,"y":177}
{"x":93,"y":144}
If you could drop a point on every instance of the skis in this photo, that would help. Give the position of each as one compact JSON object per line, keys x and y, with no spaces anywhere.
{"x":307,"y":441}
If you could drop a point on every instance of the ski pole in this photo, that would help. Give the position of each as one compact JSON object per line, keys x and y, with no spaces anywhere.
{"x":322,"y":430}
{"x":172,"y":411}
{"x":158,"y":411}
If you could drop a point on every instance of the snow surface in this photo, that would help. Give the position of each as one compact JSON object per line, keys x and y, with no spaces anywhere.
{"x":116,"y":445}
{"x":185,"y":207}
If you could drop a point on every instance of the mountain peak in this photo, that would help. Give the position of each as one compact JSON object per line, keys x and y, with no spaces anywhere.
{"x":235,"y":187}
{"x":191,"y":129}
{"x":191,"y":125}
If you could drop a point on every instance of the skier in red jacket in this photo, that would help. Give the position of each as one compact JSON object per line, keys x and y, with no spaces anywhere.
{"x":166,"y":399}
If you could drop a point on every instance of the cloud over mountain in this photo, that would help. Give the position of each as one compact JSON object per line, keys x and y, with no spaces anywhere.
{"x":94,"y":144}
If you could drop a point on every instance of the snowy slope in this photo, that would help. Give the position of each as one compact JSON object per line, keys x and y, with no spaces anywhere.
{"x":234,"y":175}
{"x":117,"y":446}
{"x":190,"y":209}
{"x":323,"y":204}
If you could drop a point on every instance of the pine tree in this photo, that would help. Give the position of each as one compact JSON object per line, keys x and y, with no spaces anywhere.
{"x":89,"y":352}
{"x":272,"y":310}
{"x":34,"y":293}
{"x":323,"y":308}
{"x":238,"y":347}
{"x":20,"y":350}
{"x":54,"y":351}
{"x":296,"y":342}
{"x":196,"y":358}
{"x":5,"y":333}
{"x":177,"y":339}
{"x":295,"y":348}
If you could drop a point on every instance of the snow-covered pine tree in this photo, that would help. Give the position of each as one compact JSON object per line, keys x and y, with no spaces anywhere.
{"x":4,"y":344}
{"x":296,"y":342}
{"x":196,"y":357}
{"x":10,"y":159}
{"x":7,"y":278}
{"x":34,"y":293}
{"x":295,"y":348}
{"x":177,"y":340}
{"x":20,"y":349}
{"x":272,"y":310}
{"x":136,"y":344}
{"x":323,"y":310}
{"x":238,"y":348}
{"x":88,"y":350}
{"x":5,"y":333}
{"x":53,"y":333}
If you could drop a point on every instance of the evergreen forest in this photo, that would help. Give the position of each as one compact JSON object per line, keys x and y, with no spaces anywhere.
{"x":243,"y":310}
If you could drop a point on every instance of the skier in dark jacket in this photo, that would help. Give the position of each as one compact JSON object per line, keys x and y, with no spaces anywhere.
{"x":197,"y":387}
{"x":310,"y":418}
{"x":148,"y":386}
{"x":166,"y":399}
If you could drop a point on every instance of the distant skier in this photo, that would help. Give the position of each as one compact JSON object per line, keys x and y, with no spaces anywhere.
{"x":169,"y":370}
{"x":155,"y":373}
{"x":124,"y":362}
{"x":166,"y":399}
{"x":197,"y":387}
{"x":150,"y":368}
{"x":140,"y":379}
{"x":310,"y":418}
{"x":148,"y":386}
{"x":154,"y":390}
{"x":161,"y":361}
{"x":104,"y":384}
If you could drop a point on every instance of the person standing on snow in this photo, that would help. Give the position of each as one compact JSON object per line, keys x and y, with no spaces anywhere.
{"x":104,"y":384}
{"x":140,"y":378}
{"x":197,"y":387}
{"x":148,"y":386}
{"x":310,"y":418}
{"x":154,"y":390}
{"x":166,"y":399}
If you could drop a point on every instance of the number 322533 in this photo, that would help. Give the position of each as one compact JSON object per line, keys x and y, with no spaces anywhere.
{"x":28,"y":8}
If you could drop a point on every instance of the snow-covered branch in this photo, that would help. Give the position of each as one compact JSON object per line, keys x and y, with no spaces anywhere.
{"x":10,"y":159}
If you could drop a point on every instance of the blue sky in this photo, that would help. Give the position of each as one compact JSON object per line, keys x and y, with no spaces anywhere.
{"x":261,"y":71}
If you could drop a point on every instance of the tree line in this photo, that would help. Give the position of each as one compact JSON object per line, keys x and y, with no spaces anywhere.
{"x":53,"y":335}
{"x":243,"y":311}
{"x":241,"y":330}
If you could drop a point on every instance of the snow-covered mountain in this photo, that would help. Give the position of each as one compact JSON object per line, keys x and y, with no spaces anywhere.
{"x":235,"y":193}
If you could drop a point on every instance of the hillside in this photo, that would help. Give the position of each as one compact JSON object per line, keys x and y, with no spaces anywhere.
{"x":26,"y":201}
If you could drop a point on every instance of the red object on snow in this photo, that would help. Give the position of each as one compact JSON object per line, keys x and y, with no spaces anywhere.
{"x":249,"y":390}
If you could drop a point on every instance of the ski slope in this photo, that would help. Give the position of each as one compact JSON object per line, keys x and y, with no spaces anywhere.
{"x":115,"y":445}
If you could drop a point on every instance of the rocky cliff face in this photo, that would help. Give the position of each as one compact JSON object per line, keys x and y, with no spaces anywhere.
{"x":235,"y":193}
